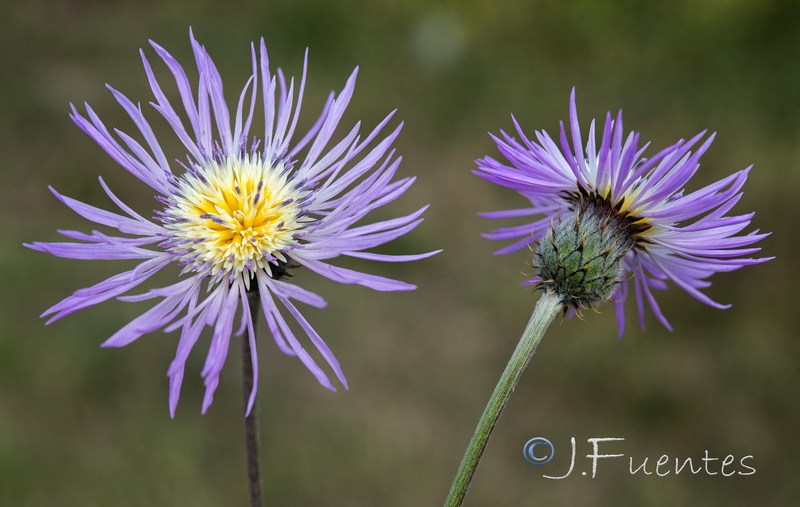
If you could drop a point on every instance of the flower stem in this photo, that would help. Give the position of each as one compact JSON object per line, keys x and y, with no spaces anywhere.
{"x":546,"y":309}
{"x":251,"y":421}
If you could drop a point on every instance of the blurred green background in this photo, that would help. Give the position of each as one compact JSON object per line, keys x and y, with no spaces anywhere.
{"x":85,"y":426}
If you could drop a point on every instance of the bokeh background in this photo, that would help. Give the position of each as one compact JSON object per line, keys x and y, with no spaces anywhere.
{"x":85,"y":426}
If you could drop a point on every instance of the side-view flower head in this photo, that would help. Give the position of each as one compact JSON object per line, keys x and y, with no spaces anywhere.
{"x":242,"y":210}
{"x":608,"y":218}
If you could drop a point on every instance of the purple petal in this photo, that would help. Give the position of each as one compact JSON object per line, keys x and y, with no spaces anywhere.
{"x":348,"y":276}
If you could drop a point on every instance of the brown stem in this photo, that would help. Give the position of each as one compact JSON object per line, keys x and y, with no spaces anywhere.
{"x":250,"y":421}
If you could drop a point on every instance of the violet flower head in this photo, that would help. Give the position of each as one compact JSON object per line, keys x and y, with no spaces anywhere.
{"x":607,"y":218}
{"x":243,"y":209}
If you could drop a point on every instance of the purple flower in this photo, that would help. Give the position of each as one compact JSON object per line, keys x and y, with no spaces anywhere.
{"x":662,"y":233}
{"x":244,"y":209}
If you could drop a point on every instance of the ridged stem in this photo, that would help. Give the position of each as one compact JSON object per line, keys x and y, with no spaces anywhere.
{"x":546,"y":309}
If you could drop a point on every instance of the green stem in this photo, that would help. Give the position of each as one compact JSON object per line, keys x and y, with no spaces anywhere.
{"x":546,"y":309}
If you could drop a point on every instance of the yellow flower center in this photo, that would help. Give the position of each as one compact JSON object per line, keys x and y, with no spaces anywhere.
{"x":235,"y":216}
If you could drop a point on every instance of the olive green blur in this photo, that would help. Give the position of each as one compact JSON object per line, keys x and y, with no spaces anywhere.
{"x":86,"y":426}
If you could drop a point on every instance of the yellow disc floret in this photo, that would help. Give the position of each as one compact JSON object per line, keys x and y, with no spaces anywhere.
{"x":235,"y":216}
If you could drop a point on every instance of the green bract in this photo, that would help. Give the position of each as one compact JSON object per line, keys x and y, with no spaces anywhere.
{"x":580,"y":258}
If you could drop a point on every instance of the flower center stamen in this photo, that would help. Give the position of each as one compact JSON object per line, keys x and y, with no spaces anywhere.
{"x":235,"y":217}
